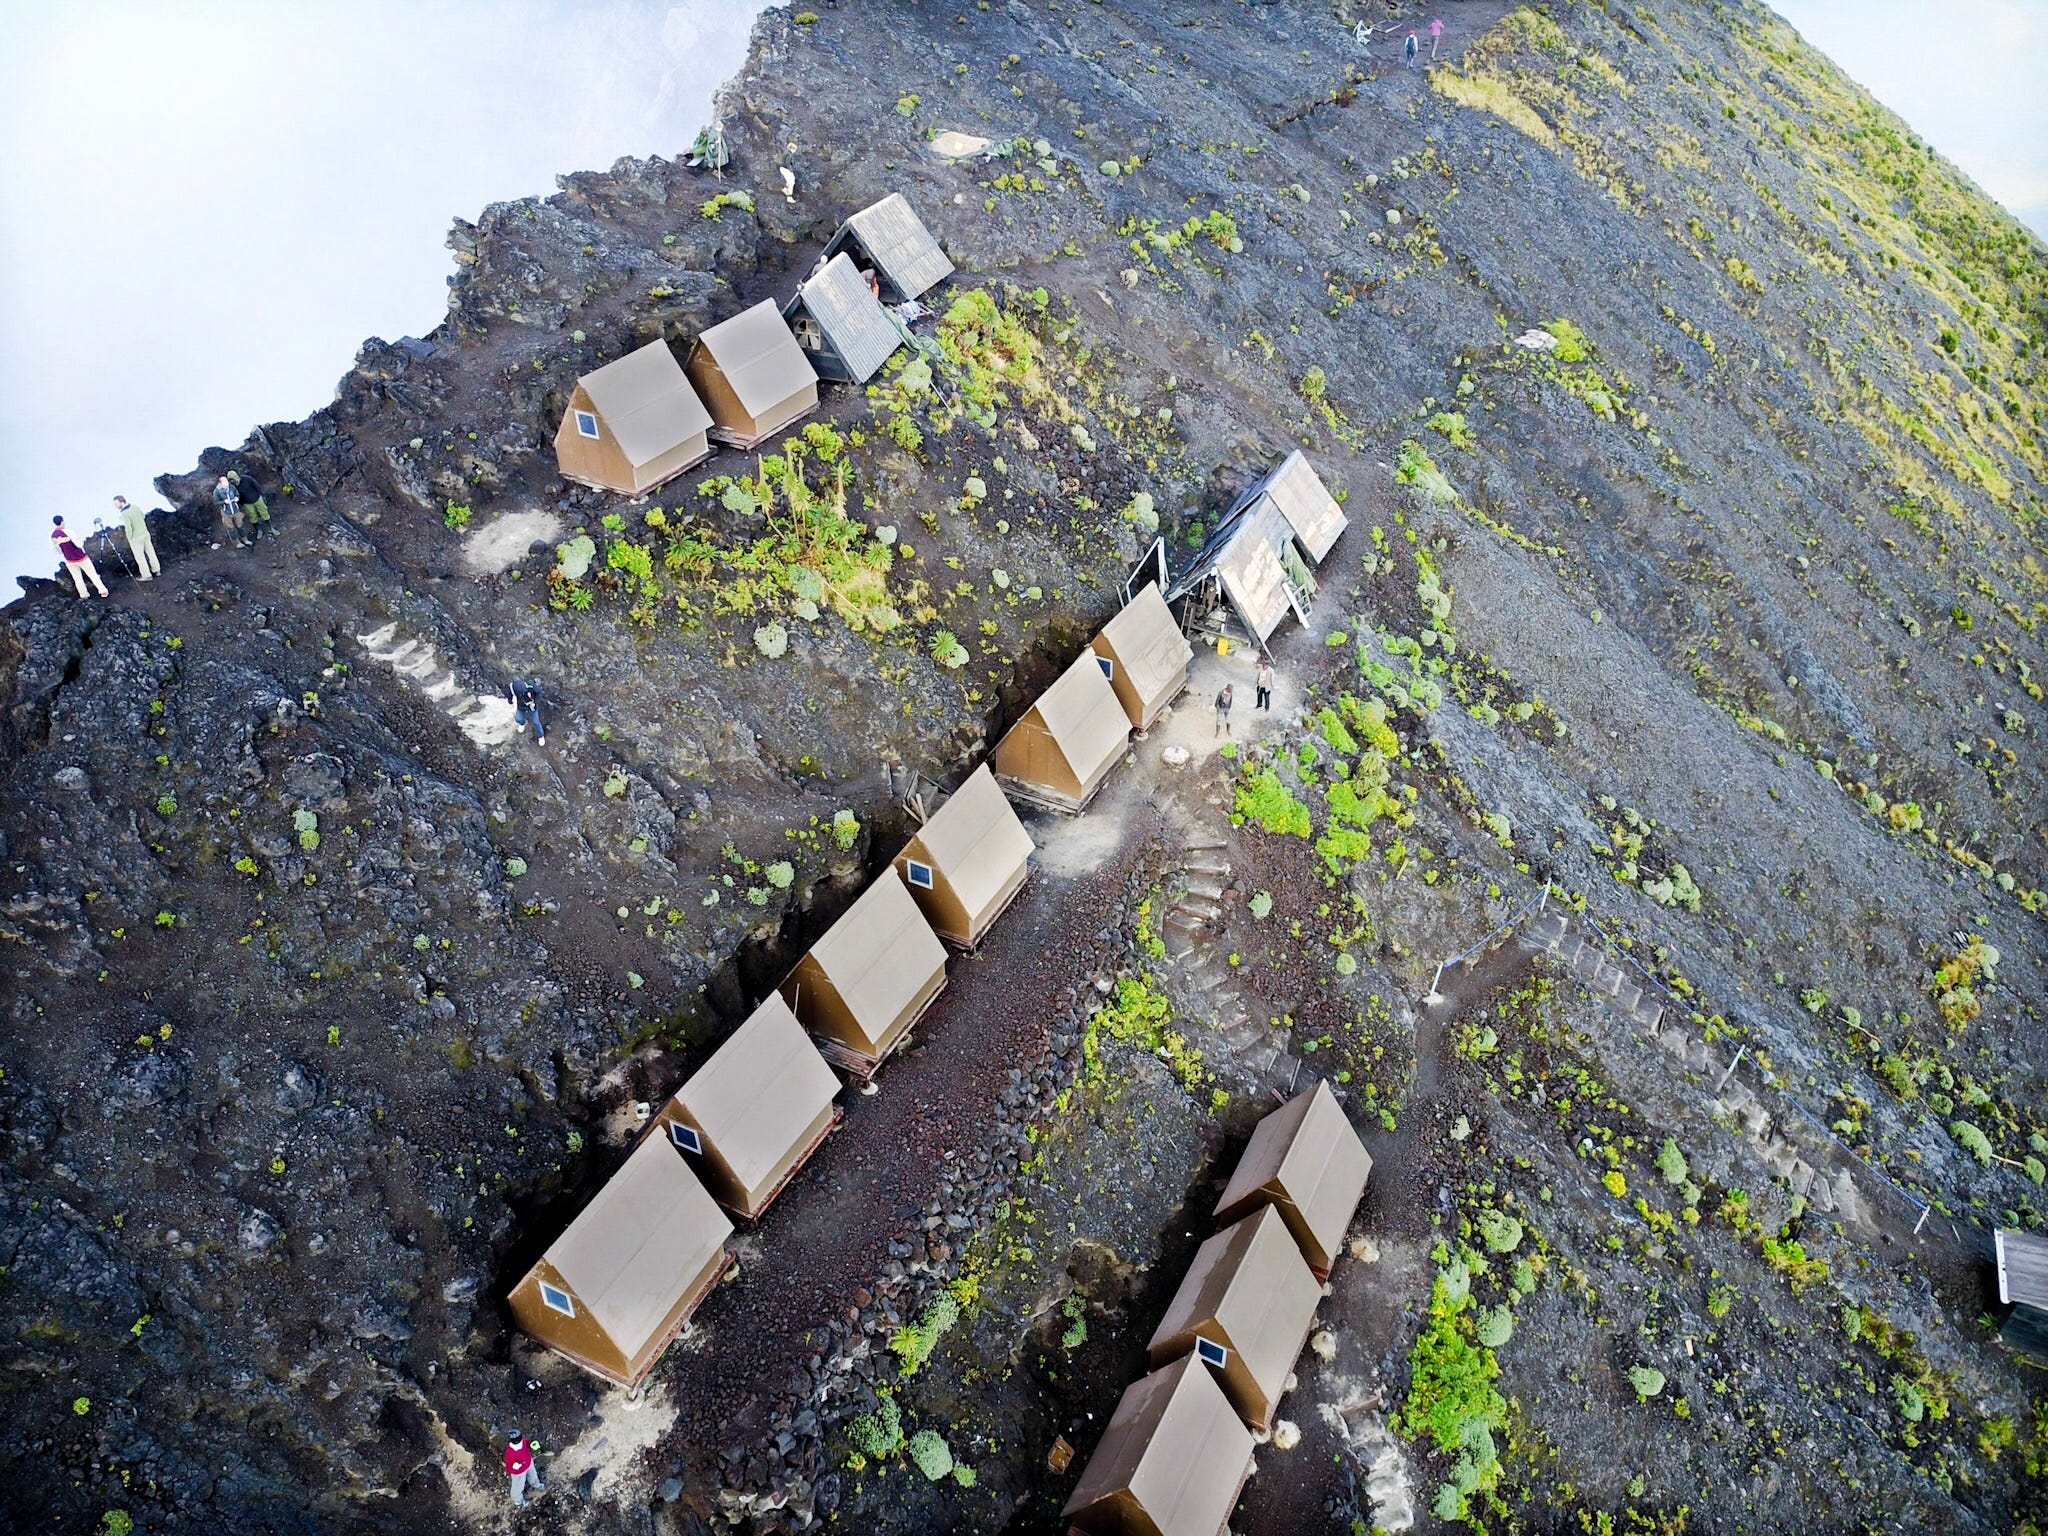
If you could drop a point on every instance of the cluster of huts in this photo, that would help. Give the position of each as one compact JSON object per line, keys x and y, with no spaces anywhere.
{"x":1178,"y":1449}
{"x":622,"y":1281}
{"x":645,"y":418}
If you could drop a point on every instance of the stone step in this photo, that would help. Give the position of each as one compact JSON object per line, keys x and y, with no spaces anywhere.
{"x":444,"y":687}
{"x":1550,"y":932}
{"x":378,"y":639}
{"x":1626,"y":996}
{"x":1649,"y":1015}
{"x":1206,"y":890}
{"x":1198,"y":908}
{"x":1801,"y":1177}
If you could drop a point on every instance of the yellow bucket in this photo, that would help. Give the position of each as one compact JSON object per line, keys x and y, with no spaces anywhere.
{"x":1222,"y":645}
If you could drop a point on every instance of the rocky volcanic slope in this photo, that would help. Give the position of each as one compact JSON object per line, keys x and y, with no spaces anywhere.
{"x":1720,"y":608}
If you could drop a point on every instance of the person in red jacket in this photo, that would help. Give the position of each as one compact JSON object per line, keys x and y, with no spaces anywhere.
{"x":75,"y":559}
{"x":521,"y":1468}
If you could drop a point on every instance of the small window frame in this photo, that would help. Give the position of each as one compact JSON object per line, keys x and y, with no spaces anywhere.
{"x":685,"y":1138}
{"x":919,"y":875}
{"x":555,"y":1299}
{"x":1210,"y":1353}
{"x":586,"y":425}
{"x":1108,"y":665}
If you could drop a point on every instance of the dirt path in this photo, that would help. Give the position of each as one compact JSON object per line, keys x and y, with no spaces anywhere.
{"x":828,"y":1235}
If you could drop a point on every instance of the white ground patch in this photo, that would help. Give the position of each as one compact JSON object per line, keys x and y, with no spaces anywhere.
{"x":1354,"y":1416}
{"x":485,"y":718}
{"x":502,"y":543}
{"x":626,"y":1426}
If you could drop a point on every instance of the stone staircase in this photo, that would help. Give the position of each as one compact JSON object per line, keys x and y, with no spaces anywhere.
{"x":1589,"y":960}
{"x":1811,"y":1165}
{"x":1234,"y":1039}
{"x":485,"y":718}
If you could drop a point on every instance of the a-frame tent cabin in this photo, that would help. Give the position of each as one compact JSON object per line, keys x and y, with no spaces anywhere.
{"x":1306,"y":1161}
{"x":748,"y":1117}
{"x":632,"y":424}
{"x":1172,"y":1462}
{"x":890,"y":240}
{"x":1060,"y":753}
{"x":1244,"y":1309}
{"x":968,"y":862}
{"x":841,"y":326}
{"x":1298,"y":493}
{"x":869,"y":978}
{"x":622,"y":1281}
{"x":753,"y":376}
{"x":1144,"y":655}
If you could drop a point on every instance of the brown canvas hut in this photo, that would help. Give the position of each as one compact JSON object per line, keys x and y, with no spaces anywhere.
{"x":869,"y":978}
{"x":1307,"y":1162}
{"x":888,"y":239}
{"x":1243,"y":1309}
{"x":841,"y":326}
{"x":632,"y":424}
{"x":753,"y":376}
{"x":1062,"y":750}
{"x":1144,"y":655}
{"x":748,"y":1117}
{"x":622,"y":1282}
{"x":1171,"y":1463}
{"x":968,"y":862}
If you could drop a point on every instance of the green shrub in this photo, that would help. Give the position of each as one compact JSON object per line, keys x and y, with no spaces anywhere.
{"x":1499,"y":1231}
{"x":456,"y":517}
{"x":1268,"y":804}
{"x":845,"y":830}
{"x":1494,"y":1327}
{"x":1647,"y":1380}
{"x":879,"y":1433}
{"x":771,"y":640}
{"x":781,"y":874}
{"x":913,"y":1343}
{"x":930,"y":1454}
{"x":1671,"y":1163}
{"x":1973,"y":1141}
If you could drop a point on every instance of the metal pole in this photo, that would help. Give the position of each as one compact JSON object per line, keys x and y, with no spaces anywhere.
{"x":1730,"y":1072}
{"x":1434,"y":995}
{"x":1924,"y":1210}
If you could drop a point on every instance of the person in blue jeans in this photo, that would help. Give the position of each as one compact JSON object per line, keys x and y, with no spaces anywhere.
{"x":524,"y":693}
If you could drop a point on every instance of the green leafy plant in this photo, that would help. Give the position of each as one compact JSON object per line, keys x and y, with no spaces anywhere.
{"x":1647,"y":1380}
{"x":845,"y":830}
{"x":307,"y":825}
{"x":1268,"y":804}
{"x":167,"y":805}
{"x":1076,"y":1313}
{"x":880,"y":1433}
{"x":714,"y":208}
{"x":930,"y":1454}
{"x":456,"y":517}
{"x":913,"y":1343}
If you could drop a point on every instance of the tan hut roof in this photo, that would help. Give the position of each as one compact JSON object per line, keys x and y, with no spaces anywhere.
{"x":895,"y":237}
{"x":646,"y":401}
{"x":1251,"y":571}
{"x":760,"y":1092}
{"x":641,"y":1244}
{"x":759,"y":358}
{"x":851,"y":317}
{"x":1307,"y":1154}
{"x":976,"y":840}
{"x":1251,"y":1281}
{"x":1179,"y":1448}
{"x":2022,"y":1268}
{"x":1311,"y":511}
{"x":1148,"y":641}
{"x":880,"y":954}
{"x":1084,"y":716}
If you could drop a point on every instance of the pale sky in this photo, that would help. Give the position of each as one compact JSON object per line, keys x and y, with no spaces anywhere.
{"x":1971,"y":76}
{"x":207,"y":205}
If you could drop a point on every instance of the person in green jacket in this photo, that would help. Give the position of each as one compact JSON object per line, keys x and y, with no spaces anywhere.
{"x":255,"y":506}
{"x":135,"y":523}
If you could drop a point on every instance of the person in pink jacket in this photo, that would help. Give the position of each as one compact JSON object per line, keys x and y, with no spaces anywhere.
{"x":76,"y":560}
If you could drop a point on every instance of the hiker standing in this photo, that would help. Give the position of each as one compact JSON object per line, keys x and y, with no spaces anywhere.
{"x":76,"y":560}
{"x":135,"y":523}
{"x":524,"y":693}
{"x":1264,"y":685}
{"x":1408,"y":49}
{"x":1223,"y":701}
{"x":1436,"y":30}
{"x":255,"y":506}
{"x":523,"y":1471}
{"x":227,"y":501}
